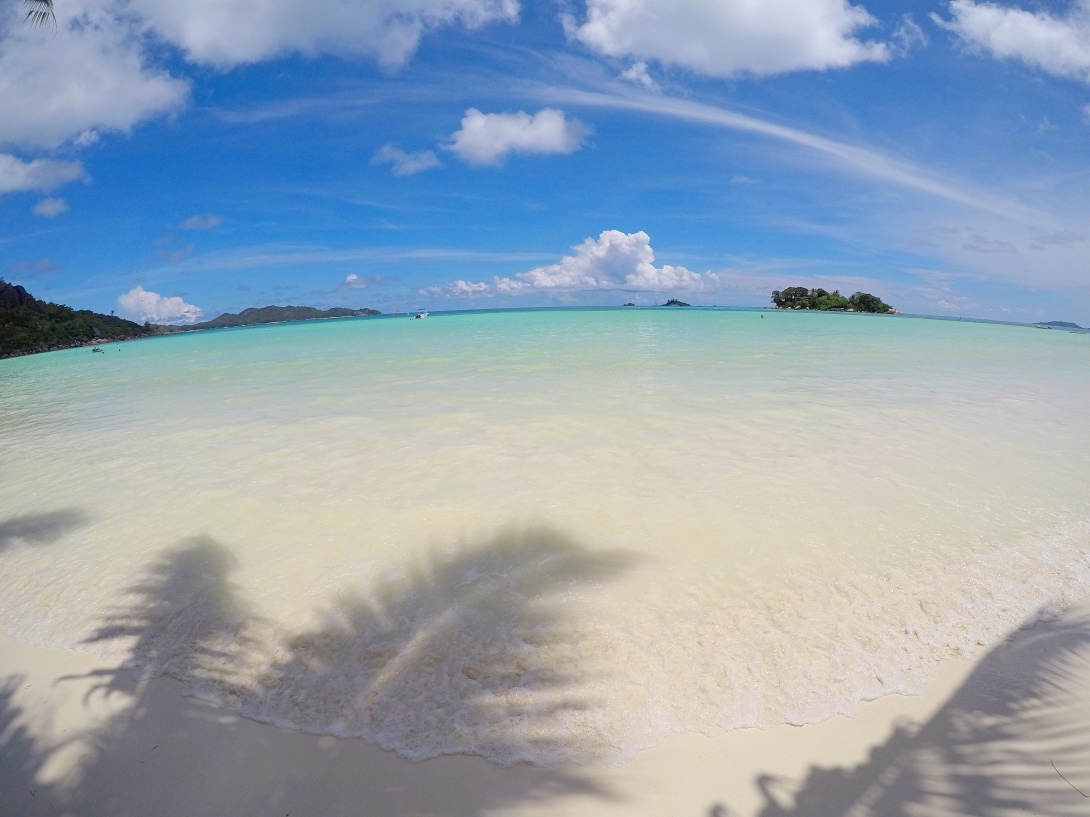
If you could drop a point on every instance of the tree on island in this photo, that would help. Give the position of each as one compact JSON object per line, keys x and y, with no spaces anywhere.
{"x":675,"y":302}
{"x":823,"y":301}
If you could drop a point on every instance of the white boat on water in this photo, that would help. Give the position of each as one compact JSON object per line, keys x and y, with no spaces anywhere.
{"x":422,"y":313}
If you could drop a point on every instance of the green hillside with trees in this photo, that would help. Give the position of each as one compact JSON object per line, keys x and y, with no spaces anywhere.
{"x":273,"y":314}
{"x":28,"y":325}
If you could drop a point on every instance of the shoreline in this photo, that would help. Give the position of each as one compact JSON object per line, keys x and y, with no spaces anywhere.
{"x":73,"y":345}
{"x":695,"y":308}
{"x":1010,"y":727}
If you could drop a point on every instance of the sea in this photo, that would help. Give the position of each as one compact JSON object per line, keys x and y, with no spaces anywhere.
{"x":546,"y":535}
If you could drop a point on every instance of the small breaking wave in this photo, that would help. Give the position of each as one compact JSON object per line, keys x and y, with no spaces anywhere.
{"x":528,"y":647}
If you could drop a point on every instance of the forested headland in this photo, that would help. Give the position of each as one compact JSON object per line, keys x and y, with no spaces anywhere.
{"x":28,"y":325}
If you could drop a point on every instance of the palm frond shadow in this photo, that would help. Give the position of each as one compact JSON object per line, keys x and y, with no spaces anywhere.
{"x":185,"y":619}
{"x":470,"y":647}
{"x":1013,"y":739}
{"x":41,"y":528}
{"x":171,"y":755}
{"x":20,"y":757}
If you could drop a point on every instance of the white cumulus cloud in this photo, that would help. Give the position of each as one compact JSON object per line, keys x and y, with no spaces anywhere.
{"x":94,"y":73}
{"x":40,"y":174}
{"x":354,"y":281}
{"x":89,"y":74}
{"x":487,"y":138}
{"x":226,"y":33}
{"x":405,"y":164}
{"x":1057,"y":44}
{"x":613,"y":261}
{"x":730,"y":37}
{"x":637,"y":73}
{"x":140,"y":305}
{"x":49,"y":207}
{"x":208,"y":221}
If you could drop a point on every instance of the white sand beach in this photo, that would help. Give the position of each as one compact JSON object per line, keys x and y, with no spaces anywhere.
{"x":1006,"y":734}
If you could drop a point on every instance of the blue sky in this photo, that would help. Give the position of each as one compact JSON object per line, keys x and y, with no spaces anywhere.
{"x":174,"y":159}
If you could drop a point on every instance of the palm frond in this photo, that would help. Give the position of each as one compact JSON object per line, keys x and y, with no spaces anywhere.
{"x":40,"y":13}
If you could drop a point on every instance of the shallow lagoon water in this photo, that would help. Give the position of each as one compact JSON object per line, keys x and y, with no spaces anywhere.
{"x":546,"y":535}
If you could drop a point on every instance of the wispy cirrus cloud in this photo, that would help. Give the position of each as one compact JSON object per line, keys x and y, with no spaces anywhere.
{"x":206,"y":221}
{"x":988,"y":246}
{"x":859,"y":160}
{"x":167,"y":250}
{"x":286,"y":255}
{"x":32,"y":269}
{"x":459,"y":289}
{"x":907,"y":36}
{"x":403,"y":163}
{"x":339,"y":103}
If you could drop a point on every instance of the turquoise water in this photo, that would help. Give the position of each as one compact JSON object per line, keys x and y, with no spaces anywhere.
{"x":546,"y":535}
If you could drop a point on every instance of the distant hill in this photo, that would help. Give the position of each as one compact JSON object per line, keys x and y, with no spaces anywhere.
{"x":271,"y":314}
{"x":1061,"y":324}
{"x":28,"y":325}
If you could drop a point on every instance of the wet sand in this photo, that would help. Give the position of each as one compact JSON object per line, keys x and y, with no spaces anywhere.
{"x":1008,"y":733}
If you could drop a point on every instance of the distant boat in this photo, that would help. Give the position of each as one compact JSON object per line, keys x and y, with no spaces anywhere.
{"x":96,"y":349}
{"x":422,"y":313}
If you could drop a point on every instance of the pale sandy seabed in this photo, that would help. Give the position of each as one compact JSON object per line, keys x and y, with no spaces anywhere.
{"x":625,"y":547}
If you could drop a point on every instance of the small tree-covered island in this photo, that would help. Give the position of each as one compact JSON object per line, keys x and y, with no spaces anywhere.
{"x":819,"y":299}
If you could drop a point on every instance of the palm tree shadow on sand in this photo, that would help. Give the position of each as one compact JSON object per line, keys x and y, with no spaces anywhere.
{"x":186,"y":619}
{"x":41,"y":528}
{"x":469,"y":651}
{"x":1013,"y":740}
{"x":20,"y":758}
{"x":476,"y":612}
